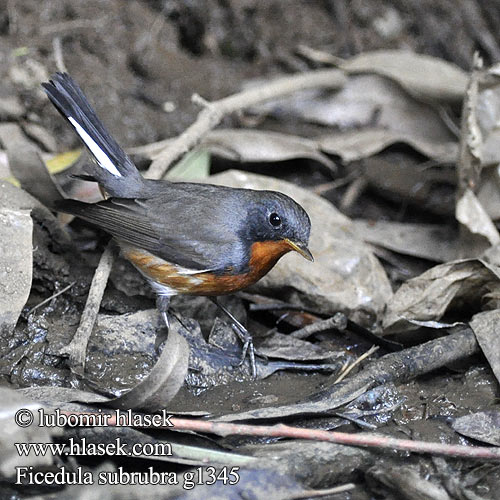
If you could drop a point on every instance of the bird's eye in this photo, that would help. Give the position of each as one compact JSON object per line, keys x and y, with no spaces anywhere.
{"x":275,"y":220}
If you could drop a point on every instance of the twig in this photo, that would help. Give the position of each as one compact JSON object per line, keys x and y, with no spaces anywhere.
{"x":48,"y":299}
{"x":361,"y":439}
{"x":318,"y":56}
{"x":214,"y":112}
{"x":341,"y":322}
{"x":353,"y":192}
{"x":349,"y":368}
{"x":77,"y":348}
{"x":369,"y":440}
{"x":337,"y":322}
{"x":321,"y":493}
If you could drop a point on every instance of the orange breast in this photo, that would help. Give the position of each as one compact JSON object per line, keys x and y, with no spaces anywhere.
{"x":263,"y":257}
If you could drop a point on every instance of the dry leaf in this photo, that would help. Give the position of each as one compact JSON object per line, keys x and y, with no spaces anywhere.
{"x":364,"y":101}
{"x":470,"y":213}
{"x":428,"y":296}
{"x":163,"y":381}
{"x":357,"y":144}
{"x":423,"y":76}
{"x":249,"y":146}
{"x":11,"y":433}
{"x":483,"y":426}
{"x":429,"y":241}
{"x":263,"y":146}
{"x":26,"y":165}
{"x":485,"y":327}
{"x":16,"y":253}
{"x":16,"y":264}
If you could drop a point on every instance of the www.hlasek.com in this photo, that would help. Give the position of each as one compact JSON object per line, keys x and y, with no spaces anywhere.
{"x":116,"y":447}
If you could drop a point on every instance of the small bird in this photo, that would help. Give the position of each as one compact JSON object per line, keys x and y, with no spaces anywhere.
{"x":185,"y":238}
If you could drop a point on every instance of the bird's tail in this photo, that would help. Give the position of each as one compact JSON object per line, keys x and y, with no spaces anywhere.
{"x":114,"y":170}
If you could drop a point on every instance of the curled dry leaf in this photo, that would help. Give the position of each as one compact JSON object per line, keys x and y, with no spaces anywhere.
{"x":249,"y":146}
{"x":345,"y":277}
{"x":365,"y":101}
{"x":489,"y":192}
{"x":482,"y":233}
{"x":26,"y":164}
{"x":423,"y":76}
{"x":488,"y":115}
{"x":429,"y":296}
{"x":279,"y":345}
{"x":163,"y":381}
{"x":16,"y":263}
{"x":483,"y":426}
{"x":429,"y":241}
{"x":357,"y":144}
{"x":263,"y":146}
{"x":124,"y":342}
{"x":11,"y":433}
{"x":16,"y":267}
{"x":485,"y":327}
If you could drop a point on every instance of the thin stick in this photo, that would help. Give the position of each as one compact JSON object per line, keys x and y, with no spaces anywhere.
{"x":321,"y":493}
{"x":214,"y":112}
{"x":336,"y":322}
{"x":48,"y":299}
{"x":349,"y":368}
{"x":77,"y":348}
{"x":362,"y":439}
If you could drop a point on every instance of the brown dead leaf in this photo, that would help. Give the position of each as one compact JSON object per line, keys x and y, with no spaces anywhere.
{"x":26,"y":164}
{"x":429,"y":296}
{"x":481,"y":232}
{"x":364,"y":101}
{"x":357,"y":144}
{"x":423,"y":76}
{"x":485,"y":327}
{"x":483,"y":426}
{"x":263,"y":146}
{"x":429,"y":241}
{"x":163,"y":381}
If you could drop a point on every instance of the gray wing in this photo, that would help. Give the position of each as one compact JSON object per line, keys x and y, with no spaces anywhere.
{"x":196,"y":230}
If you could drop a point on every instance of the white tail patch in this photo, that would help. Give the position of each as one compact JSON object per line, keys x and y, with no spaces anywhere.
{"x":100,"y":156}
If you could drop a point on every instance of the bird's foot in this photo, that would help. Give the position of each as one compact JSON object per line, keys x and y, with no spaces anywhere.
{"x":243,"y":335}
{"x":162,"y":303}
{"x":247,"y":348}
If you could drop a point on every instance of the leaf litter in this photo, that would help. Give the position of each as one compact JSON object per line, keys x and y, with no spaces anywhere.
{"x":384,"y":102}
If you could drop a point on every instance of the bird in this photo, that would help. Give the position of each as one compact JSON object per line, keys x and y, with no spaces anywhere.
{"x":185,"y":238}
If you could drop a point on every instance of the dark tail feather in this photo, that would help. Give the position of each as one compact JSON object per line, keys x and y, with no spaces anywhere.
{"x":115,"y":171}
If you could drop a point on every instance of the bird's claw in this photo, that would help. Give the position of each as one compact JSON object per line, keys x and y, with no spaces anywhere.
{"x":247,"y":348}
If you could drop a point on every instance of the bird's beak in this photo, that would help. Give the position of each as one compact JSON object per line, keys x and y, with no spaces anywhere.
{"x":302,"y":249}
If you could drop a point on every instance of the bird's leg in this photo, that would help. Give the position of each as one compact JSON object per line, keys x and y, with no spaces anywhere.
{"x":162,"y":303}
{"x":243,"y":335}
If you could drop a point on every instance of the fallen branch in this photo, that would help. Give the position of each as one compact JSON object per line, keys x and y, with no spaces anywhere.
{"x":214,"y":112}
